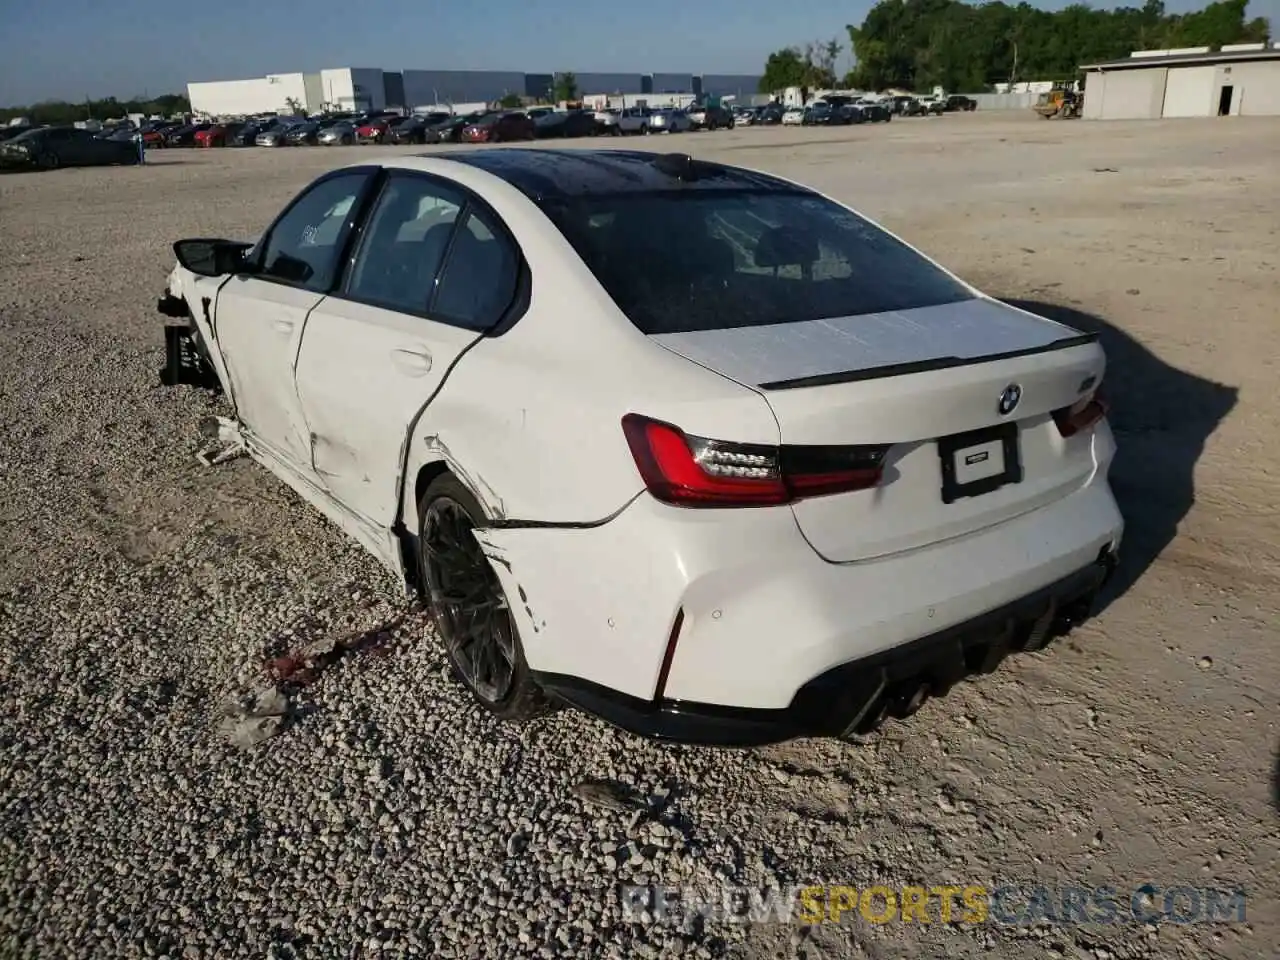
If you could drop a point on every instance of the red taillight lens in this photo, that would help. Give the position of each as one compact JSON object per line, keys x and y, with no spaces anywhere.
{"x":698,"y":472}
{"x":1081,"y":415}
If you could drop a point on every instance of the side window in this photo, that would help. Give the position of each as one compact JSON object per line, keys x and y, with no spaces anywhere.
{"x":303,"y":247}
{"x":404,"y":244}
{"x":479,"y":280}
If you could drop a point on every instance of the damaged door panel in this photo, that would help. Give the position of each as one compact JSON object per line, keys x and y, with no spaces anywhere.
{"x":431,"y":273}
{"x":260,"y":326}
{"x":364,"y":374}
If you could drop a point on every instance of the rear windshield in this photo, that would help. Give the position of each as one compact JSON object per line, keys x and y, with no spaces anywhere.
{"x":680,"y":261}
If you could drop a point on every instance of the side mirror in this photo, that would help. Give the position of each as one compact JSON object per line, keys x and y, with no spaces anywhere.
{"x":212,"y":258}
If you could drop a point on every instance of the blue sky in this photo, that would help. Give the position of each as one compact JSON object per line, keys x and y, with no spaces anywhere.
{"x":69,"y":49}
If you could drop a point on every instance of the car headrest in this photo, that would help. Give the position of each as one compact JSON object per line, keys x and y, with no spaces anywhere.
{"x":785,"y":247}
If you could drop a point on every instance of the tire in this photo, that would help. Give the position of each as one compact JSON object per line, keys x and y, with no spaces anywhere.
{"x":487,"y":657}
{"x":49,"y":161}
{"x":644,"y":130}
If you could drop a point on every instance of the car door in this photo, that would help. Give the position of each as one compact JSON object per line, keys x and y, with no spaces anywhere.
{"x":260,"y":314}
{"x":92,"y":149}
{"x":57,"y":142}
{"x":434,"y":269}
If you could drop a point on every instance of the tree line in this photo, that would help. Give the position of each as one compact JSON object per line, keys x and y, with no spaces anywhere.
{"x":920,"y":44}
{"x":61,"y":113}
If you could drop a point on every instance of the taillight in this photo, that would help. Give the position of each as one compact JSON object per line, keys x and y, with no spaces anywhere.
{"x":700,"y":472}
{"x":1081,"y":415}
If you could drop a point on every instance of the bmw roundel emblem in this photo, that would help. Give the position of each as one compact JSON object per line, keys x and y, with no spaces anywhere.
{"x":1009,"y":398}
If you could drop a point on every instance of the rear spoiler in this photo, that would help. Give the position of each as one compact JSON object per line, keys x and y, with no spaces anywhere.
{"x":924,"y":366}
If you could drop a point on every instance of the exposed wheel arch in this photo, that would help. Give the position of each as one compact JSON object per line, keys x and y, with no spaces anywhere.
{"x":469,"y":605}
{"x":426,"y":473}
{"x":407,"y":529}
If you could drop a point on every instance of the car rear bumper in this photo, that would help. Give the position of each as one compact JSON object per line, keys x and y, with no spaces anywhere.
{"x":761,"y":616}
{"x":857,"y":695}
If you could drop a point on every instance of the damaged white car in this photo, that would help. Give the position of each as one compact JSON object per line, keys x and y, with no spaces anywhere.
{"x":691,"y":447}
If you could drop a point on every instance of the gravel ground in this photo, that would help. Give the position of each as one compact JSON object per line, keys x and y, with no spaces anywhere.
{"x":141,"y":592}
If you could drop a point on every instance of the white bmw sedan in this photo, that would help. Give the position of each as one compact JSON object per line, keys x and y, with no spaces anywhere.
{"x":691,"y":447}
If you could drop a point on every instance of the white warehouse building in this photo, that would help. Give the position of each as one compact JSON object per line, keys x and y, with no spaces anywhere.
{"x":1237,"y":80}
{"x":357,"y":88}
{"x":343,"y":88}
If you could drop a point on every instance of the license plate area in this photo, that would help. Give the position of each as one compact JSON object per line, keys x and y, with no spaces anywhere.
{"x":979,"y":461}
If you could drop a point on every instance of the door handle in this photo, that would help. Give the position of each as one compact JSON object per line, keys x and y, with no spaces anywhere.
{"x":284,"y":326}
{"x":414,"y":363}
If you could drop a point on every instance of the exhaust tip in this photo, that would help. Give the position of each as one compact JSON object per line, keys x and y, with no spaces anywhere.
{"x":910,"y":700}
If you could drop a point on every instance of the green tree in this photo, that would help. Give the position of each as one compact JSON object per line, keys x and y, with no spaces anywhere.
{"x":510,"y":101}
{"x":565,"y":87}
{"x":60,"y":112}
{"x":811,"y":66}
{"x":918,"y":44}
{"x":784,"y":68}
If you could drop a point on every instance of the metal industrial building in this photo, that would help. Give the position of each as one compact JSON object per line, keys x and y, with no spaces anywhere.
{"x":1237,"y":80}
{"x":353,"y":88}
{"x":423,"y":87}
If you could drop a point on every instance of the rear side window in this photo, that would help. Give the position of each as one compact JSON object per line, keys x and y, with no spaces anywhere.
{"x":481,"y":277}
{"x":681,"y":261}
{"x":404,"y":244}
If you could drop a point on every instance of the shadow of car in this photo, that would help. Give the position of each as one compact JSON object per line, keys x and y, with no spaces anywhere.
{"x":1275,"y":783}
{"x":1161,"y":417}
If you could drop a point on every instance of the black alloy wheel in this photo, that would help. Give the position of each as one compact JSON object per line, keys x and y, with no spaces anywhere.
{"x":468,"y":603}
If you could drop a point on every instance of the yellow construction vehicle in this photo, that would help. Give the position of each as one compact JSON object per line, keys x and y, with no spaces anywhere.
{"x":1063,"y":101}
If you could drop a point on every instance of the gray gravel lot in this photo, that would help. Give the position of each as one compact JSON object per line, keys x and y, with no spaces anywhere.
{"x":139,"y":592}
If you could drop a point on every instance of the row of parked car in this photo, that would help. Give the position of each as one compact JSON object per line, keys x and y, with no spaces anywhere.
{"x":837,"y":109}
{"x":58,"y":146}
{"x":484,"y":126}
